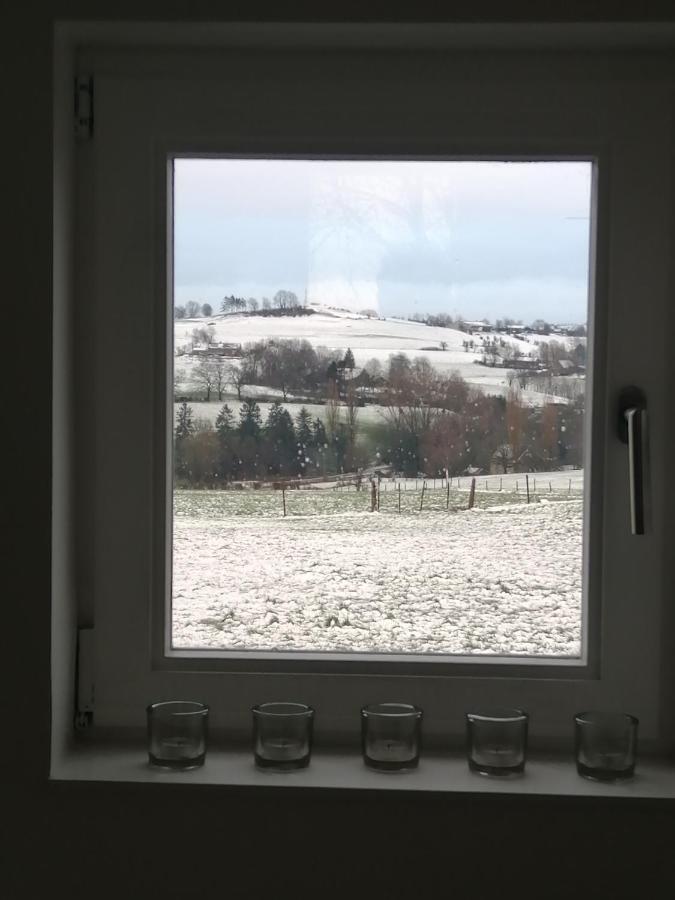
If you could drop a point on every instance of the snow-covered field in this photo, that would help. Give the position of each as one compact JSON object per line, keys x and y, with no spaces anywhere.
{"x":371,"y":338}
{"x":504,"y":577}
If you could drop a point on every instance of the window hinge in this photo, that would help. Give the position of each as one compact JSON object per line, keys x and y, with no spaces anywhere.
{"x":84,"y":711}
{"x":84,"y":107}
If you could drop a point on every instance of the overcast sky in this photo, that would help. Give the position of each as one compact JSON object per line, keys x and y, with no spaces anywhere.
{"x":480,"y":239}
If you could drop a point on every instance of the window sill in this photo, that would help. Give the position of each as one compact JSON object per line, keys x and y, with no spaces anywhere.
{"x":545,"y":775}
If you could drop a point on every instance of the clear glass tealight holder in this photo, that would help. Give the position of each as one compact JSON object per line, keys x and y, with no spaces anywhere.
{"x":605,"y":745}
{"x":177,"y":734}
{"x":496,"y":741}
{"x":391,"y":736}
{"x":282,"y":735}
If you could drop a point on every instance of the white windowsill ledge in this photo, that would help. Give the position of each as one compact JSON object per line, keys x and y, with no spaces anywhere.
{"x":544,"y":776}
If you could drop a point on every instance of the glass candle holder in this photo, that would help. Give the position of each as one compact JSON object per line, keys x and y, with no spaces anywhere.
{"x":282,"y":735}
{"x":496,"y":741}
{"x":177,"y":734}
{"x":391,"y":736}
{"x":605,"y":745}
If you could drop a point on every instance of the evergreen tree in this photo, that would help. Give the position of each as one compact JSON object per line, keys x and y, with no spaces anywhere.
{"x":184,"y":424}
{"x":348,"y":362}
{"x":184,"y":431}
{"x":304,"y":440}
{"x":303,"y":429}
{"x":225,"y":422}
{"x":320,"y":438}
{"x":318,"y":442}
{"x":249,"y":420}
{"x":280,"y":439}
{"x":228,"y":459}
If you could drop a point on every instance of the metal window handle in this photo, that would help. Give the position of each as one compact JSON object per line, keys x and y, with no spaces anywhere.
{"x":632,"y":413}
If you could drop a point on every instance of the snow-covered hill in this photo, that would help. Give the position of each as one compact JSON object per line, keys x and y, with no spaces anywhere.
{"x":369,"y":338}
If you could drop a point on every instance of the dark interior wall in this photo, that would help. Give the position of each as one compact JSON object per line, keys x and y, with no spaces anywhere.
{"x":144,"y":841}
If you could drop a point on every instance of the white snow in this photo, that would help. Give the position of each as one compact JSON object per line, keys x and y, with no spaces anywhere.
{"x":503,"y":578}
{"x":371,"y":338}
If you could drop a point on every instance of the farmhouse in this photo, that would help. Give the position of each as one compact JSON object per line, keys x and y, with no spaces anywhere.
{"x":522,"y":363}
{"x":477,"y":326}
{"x":231,"y":351}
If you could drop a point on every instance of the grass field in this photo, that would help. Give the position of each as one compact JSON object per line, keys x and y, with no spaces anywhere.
{"x":504,"y":577}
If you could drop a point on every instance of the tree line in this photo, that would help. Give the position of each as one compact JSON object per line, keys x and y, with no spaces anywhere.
{"x":283,"y":302}
{"x":430,"y":424}
{"x":192,"y":310}
{"x":287,"y":365}
{"x":248,"y":448}
{"x":438,"y":423}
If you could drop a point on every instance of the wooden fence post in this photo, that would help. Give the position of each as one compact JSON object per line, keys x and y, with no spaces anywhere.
{"x":399,"y":496}
{"x":447,"y":498}
{"x":283,"y":499}
{"x":527,"y":487}
{"x":472,"y":493}
{"x":424,"y":485}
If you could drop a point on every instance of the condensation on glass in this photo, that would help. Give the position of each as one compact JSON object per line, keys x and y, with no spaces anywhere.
{"x":379,"y":383}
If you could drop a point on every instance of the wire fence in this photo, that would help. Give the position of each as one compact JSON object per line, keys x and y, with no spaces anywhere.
{"x":407,"y":496}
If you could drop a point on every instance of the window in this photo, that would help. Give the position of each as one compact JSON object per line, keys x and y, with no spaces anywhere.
{"x":379,"y":385}
{"x":154,"y":108}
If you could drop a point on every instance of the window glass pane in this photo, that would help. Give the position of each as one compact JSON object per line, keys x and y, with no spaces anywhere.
{"x":378,"y":405}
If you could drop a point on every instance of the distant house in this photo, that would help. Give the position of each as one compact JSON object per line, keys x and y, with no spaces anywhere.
{"x":477,"y":326}
{"x":523,"y":363}
{"x":231,"y":351}
{"x":361,"y":379}
{"x":569,"y":367}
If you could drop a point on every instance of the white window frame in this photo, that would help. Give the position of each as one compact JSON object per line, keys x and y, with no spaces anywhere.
{"x":121,"y":595}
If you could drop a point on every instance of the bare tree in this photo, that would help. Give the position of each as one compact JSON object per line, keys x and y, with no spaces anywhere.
{"x":414,"y":396}
{"x":191,"y":309}
{"x":253,"y":354}
{"x":239,"y":376}
{"x":374,"y":368}
{"x":515,"y":420}
{"x":289,"y":364}
{"x":351,"y":416}
{"x":286,"y":300}
{"x":253,"y":304}
{"x":503,"y":457}
{"x":220,"y":376}
{"x":443,"y":445}
{"x":332,"y":417}
{"x":178,"y":378}
{"x":203,"y":335}
{"x":204,"y":375}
